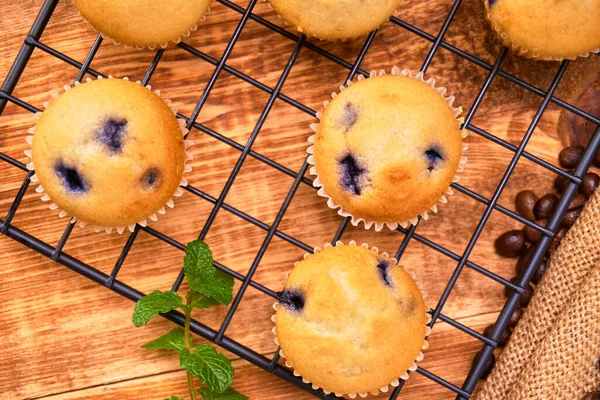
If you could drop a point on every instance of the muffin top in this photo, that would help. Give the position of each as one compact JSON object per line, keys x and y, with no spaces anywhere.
{"x":109,"y":152}
{"x":335,"y":19}
{"x":350,"y":320}
{"x":547,"y":29}
{"x":143,"y":23}
{"x":387,"y":148}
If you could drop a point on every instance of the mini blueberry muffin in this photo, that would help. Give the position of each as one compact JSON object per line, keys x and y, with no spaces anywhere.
{"x":334,"y":20}
{"x":386,"y":149}
{"x":109,"y":153}
{"x":350,"y":320}
{"x":144,"y":23}
{"x":547,"y":29}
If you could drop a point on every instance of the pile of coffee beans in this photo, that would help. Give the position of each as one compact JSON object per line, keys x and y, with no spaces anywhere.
{"x":520,"y":243}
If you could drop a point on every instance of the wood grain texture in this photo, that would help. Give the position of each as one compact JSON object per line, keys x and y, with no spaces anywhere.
{"x":65,"y":337}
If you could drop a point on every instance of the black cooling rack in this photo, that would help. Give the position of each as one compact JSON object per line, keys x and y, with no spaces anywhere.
{"x":32,"y":41}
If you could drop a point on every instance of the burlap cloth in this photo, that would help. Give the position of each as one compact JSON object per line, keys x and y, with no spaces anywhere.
{"x":553,"y":352}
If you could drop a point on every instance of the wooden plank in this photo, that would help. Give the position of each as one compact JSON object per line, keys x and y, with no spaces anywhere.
{"x":66,"y":334}
{"x":450,"y":357}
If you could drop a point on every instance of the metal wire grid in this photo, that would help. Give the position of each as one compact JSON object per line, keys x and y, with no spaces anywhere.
{"x":32,"y":41}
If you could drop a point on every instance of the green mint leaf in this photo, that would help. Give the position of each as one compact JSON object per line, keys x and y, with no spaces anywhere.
{"x":228,"y":394}
{"x":151,"y":305}
{"x":212,"y":368}
{"x":174,"y":340}
{"x":220,"y":288}
{"x":198,"y":263}
{"x":203,"y":277}
{"x":174,"y":398}
{"x":202,"y":301}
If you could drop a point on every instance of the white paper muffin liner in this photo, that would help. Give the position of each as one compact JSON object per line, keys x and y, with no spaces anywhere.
{"x":390,"y":224}
{"x":521,"y":51}
{"x":419,"y":357}
{"x":120,"y":229}
{"x":154,"y":46}
{"x":300,"y":30}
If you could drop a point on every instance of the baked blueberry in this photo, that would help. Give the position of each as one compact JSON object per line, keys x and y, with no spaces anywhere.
{"x":433,"y":157}
{"x":151,"y":177}
{"x":111,"y":134}
{"x":349,"y":116}
{"x":351,"y":174}
{"x":292,"y":299}
{"x":382,"y":267}
{"x":71,"y":178}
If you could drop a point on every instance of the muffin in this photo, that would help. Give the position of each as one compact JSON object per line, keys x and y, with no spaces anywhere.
{"x":350,"y":320}
{"x":547,"y":29}
{"x":334,"y":20}
{"x":110,"y":153}
{"x":386,"y":149}
{"x":144,"y":23}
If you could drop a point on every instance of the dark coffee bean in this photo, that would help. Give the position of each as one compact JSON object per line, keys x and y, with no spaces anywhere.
{"x":539,"y":272}
{"x":503,"y":338}
{"x":488,"y":366}
{"x":292,"y":299}
{"x":589,"y":183}
{"x":434,"y":157}
{"x":570,"y":217}
{"x":515,"y":317}
{"x":577,"y":201}
{"x":510,"y":244}
{"x":524,"y":203}
{"x":520,"y":267}
{"x":544,"y":206}
{"x":525,"y":297}
{"x":562,"y":231}
{"x":560,"y":183}
{"x":382,"y":267}
{"x":597,"y":159}
{"x":591,"y":396}
{"x":531,"y":234}
{"x":569,"y":156}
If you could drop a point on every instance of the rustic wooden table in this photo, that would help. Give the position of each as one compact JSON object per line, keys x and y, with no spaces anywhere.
{"x":65,"y":337}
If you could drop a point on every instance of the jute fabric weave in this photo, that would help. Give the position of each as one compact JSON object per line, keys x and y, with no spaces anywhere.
{"x":552,"y":305}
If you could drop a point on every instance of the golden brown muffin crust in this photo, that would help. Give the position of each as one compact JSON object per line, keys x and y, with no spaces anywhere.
{"x":387,"y":148}
{"x":143,"y":23}
{"x":335,"y":19}
{"x":361,"y":324}
{"x":548,"y":29}
{"x":109,"y":152}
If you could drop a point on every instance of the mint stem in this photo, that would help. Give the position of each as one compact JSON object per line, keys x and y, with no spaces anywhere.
{"x":186,"y":337}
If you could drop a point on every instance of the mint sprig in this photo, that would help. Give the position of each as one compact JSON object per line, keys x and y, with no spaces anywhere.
{"x":214,"y":369}
{"x":174,"y":340}
{"x":153,"y":304}
{"x":208,"y":287}
{"x":228,"y":394}
{"x":203,"y":277}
